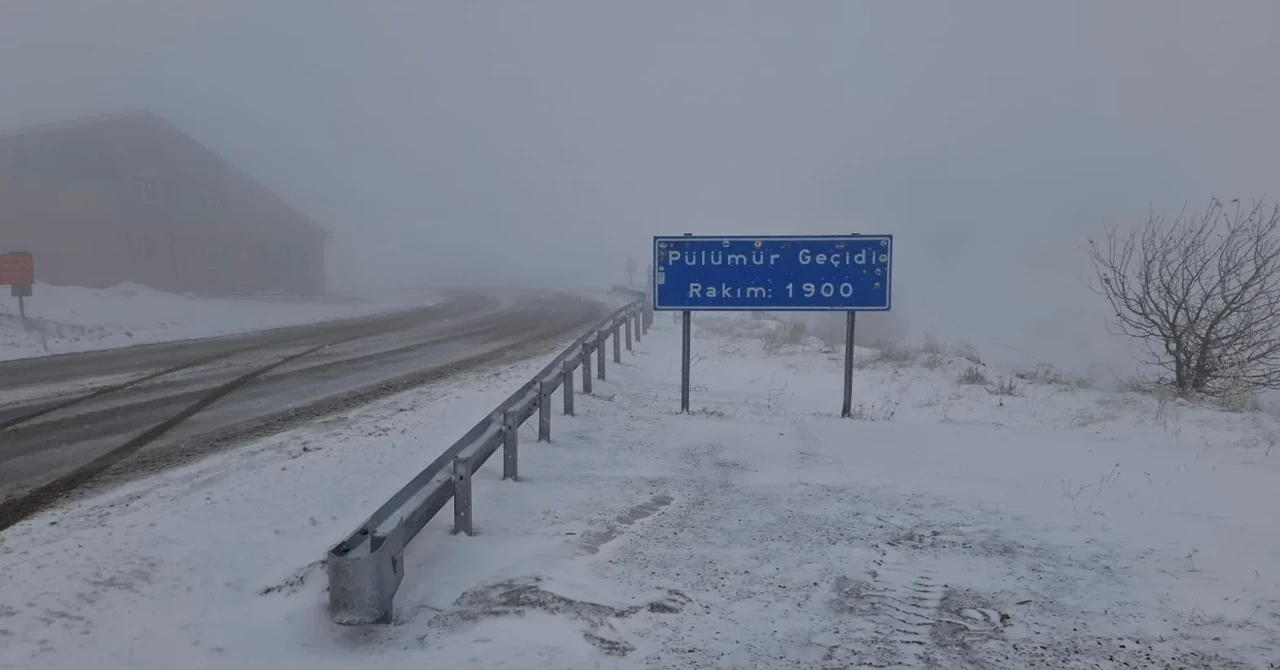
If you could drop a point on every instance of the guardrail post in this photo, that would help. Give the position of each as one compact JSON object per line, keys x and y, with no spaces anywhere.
{"x":544,"y":412}
{"x":637,"y":328}
{"x":627,"y":322}
{"x":646,"y":316}
{"x":363,"y":581}
{"x":510,"y":446}
{"x":617,"y":343}
{"x":601,"y":336}
{"x":567,"y":385}
{"x":586,"y":369}
{"x":461,"y":496}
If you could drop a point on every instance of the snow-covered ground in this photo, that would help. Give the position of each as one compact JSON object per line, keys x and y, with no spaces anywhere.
{"x":65,"y":319}
{"x":947,"y":527}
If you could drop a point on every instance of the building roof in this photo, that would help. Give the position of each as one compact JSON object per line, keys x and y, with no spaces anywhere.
{"x":83,"y":122}
{"x":149,"y":117}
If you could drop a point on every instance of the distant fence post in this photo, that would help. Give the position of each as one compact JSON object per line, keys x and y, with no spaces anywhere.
{"x":586,"y":369}
{"x":617,"y":343}
{"x":601,"y":336}
{"x":510,"y":445}
{"x":636,"y":318}
{"x":461,"y":496}
{"x":544,"y":411}
{"x":567,"y":385}
{"x":627,"y":322}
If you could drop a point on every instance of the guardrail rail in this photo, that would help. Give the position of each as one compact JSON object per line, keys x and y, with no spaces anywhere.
{"x":366,"y":568}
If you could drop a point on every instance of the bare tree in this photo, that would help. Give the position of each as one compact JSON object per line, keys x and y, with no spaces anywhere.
{"x":1201,"y":292}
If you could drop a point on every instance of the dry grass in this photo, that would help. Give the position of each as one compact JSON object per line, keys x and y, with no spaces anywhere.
{"x":1240,"y":401}
{"x":973,"y":375}
{"x":968,"y":352}
{"x":1004,"y":386}
{"x":893,"y":352}
{"x":1048,"y":374}
{"x":786,"y":333}
{"x":933,"y":346}
{"x":883,"y":412}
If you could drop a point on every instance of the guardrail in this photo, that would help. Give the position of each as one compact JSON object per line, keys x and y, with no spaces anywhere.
{"x":366,"y":568}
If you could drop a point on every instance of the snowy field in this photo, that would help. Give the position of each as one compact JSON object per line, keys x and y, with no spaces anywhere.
{"x":950,"y":526}
{"x":66,"y":319}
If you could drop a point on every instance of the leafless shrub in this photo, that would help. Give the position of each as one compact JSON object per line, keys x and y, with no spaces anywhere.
{"x":830,"y":327}
{"x":1004,"y":386}
{"x":1197,"y":615}
{"x":1134,"y":384}
{"x":932,"y":401}
{"x":933,"y":346}
{"x":1262,"y":434}
{"x":787,"y":332}
{"x":885,"y":411}
{"x":1241,"y":402}
{"x":774,"y":394}
{"x":730,"y":328}
{"x":1238,"y":395}
{"x":1073,"y":490}
{"x":1048,"y":374}
{"x":973,"y":375}
{"x":968,"y":352}
{"x":934,"y":361}
{"x":1239,"y":398}
{"x":892,"y":351}
{"x":1084,"y":417}
{"x":1201,"y":293}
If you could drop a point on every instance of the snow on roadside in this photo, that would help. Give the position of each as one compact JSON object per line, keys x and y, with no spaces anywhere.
{"x":79,"y":319}
{"x":948,"y":527}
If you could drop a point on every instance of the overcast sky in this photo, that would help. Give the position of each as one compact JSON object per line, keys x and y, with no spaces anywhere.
{"x":549,"y":139}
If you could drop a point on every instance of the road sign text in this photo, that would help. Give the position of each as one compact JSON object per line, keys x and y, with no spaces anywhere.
{"x":17,"y":269}
{"x":821,"y":273}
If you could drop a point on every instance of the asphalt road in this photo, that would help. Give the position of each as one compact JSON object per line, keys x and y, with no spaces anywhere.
{"x":74,"y":422}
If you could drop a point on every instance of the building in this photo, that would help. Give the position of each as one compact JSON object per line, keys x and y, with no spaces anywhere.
{"x":131,"y":198}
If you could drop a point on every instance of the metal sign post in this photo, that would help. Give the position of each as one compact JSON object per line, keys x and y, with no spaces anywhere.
{"x":686,"y":345}
{"x":773,"y":273}
{"x":846,"y":410}
{"x":850,"y":325}
{"x":17,"y":269}
{"x":686,"y":340}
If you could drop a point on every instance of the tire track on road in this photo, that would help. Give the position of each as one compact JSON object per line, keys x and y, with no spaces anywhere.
{"x":389,"y":323}
{"x":17,"y":509}
{"x":20,"y":507}
{"x":101,"y":419}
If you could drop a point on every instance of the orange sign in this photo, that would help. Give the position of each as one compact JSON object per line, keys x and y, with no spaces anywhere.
{"x":17,"y":269}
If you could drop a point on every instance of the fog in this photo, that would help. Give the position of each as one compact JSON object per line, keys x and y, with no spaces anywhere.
{"x":543,"y":143}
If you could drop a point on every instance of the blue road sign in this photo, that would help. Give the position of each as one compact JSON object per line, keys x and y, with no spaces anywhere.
{"x":773,"y":273}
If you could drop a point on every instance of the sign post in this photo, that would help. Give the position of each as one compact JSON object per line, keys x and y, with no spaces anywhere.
{"x":846,"y":409}
{"x":822,"y":273}
{"x":17,"y":269}
{"x":686,"y":356}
